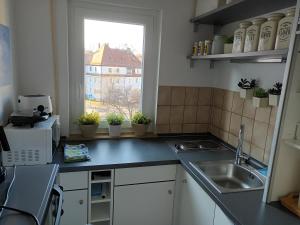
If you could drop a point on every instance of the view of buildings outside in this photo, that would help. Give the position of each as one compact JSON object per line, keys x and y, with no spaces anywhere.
{"x":113,"y":67}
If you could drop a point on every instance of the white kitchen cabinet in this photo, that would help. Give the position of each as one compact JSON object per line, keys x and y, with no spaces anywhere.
{"x":192,"y":205}
{"x":75,"y":208}
{"x":221,"y":218}
{"x":147,"y":204}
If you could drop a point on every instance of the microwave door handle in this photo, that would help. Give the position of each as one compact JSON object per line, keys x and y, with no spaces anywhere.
{"x":57,"y":191}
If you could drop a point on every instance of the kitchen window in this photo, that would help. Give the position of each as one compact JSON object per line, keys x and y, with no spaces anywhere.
{"x":122,"y":44}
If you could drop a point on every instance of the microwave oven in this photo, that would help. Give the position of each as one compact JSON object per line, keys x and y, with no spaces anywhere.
{"x":32,"y":146}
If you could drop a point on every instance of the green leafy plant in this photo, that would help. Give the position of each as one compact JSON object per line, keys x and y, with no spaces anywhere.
{"x":260,"y":93}
{"x":140,"y":118}
{"x":276,"y":90}
{"x":89,"y":119}
{"x":115,"y":119}
{"x":229,"y":40}
{"x":246,"y":84}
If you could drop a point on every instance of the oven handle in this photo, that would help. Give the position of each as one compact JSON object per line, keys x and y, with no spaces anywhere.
{"x":57,"y":191}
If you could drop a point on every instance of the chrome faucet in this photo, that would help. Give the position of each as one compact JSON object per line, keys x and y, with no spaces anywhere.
{"x":239,"y":150}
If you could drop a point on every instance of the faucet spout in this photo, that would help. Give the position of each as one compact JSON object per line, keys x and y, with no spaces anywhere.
{"x":239,"y":151}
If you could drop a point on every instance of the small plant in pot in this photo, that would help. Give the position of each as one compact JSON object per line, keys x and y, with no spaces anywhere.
{"x":274,"y":94}
{"x":88,"y":124}
{"x":260,"y":98}
{"x":114,"y":121}
{"x":140,"y":123}
{"x":246,"y":88}
{"x":228,"y":45}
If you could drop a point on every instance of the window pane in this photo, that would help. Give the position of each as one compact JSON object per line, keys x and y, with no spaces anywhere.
{"x":113,"y":67}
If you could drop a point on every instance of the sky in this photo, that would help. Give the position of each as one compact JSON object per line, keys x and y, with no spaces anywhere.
{"x":118,"y":35}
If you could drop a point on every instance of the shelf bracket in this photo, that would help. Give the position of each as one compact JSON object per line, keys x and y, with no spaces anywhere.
{"x":211,"y":64}
{"x":195,"y":27}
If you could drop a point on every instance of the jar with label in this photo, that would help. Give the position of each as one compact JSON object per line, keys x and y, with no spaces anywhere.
{"x":252,"y":35}
{"x":268,"y":32}
{"x":207,"y":47}
{"x":195,"y":48}
{"x":239,"y":37}
{"x":284,"y":30}
{"x":200,"y":48}
{"x":218,"y":45}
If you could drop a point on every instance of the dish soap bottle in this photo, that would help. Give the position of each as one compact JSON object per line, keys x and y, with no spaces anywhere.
{"x":252,"y":35}
{"x":268,"y":32}
{"x":239,"y":37}
{"x":284,"y":30}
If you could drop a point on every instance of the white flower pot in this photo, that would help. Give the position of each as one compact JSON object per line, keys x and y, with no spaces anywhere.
{"x":114,"y":130}
{"x":139,"y":129}
{"x":228,"y":48}
{"x":260,"y":102}
{"x":274,"y":100}
{"x":88,"y":131}
{"x":246,"y":93}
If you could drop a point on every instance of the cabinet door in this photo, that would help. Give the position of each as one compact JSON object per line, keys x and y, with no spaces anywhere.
{"x":75,"y":208}
{"x":147,"y":204}
{"x":193,"y":206}
{"x":221,"y":218}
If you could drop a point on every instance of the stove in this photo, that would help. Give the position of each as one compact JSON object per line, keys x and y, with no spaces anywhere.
{"x":199,"y":145}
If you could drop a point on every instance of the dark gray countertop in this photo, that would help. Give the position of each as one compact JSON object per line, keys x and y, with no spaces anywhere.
{"x":31,"y":192}
{"x":243,"y":208}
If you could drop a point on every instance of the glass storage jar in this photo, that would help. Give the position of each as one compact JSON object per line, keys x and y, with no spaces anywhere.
{"x":207,"y":47}
{"x":252,"y":35}
{"x":218,"y":45}
{"x":284,"y":30}
{"x":239,"y":37}
{"x":268,"y":32}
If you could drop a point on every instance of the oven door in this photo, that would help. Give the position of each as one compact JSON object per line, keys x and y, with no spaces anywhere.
{"x":55,"y":209}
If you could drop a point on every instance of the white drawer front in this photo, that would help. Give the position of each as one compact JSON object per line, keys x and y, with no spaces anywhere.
{"x":148,"y":174}
{"x":74,"y":180}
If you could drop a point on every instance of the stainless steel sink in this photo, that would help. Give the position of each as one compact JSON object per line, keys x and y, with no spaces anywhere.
{"x":226,"y":176}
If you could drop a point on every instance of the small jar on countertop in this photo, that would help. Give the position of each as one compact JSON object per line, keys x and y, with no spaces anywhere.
{"x":268,"y":32}
{"x":239,"y":37}
{"x":252,"y":35}
{"x":284,"y":30}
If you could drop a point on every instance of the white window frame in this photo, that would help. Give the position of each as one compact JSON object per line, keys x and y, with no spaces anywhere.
{"x":151,"y":19}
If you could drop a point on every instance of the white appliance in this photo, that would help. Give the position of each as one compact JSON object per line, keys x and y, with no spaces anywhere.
{"x":32,"y":146}
{"x":31,"y":103}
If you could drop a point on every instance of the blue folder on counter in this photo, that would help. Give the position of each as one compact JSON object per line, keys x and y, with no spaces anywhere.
{"x":76,"y":153}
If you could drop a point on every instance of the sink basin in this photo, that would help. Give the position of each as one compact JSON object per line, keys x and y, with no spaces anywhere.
{"x":228,"y":177}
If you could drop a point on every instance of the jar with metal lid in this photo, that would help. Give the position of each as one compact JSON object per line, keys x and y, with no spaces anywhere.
{"x":218,"y":45}
{"x":268,"y":32}
{"x":195,"y":48}
{"x":284,"y":30}
{"x":239,"y":37}
{"x":252,"y":35}
{"x":200,"y":48}
{"x":207,"y":47}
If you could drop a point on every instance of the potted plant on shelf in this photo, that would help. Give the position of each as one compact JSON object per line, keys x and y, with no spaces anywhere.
{"x":88,"y":124}
{"x":274,"y":94}
{"x":260,"y":98}
{"x":114,"y":121}
{"x":246,"y":88}
{"x":140,"y":123}
{"x":228,"y":44}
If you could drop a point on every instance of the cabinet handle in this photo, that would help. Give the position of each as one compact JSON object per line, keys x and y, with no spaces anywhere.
{"x":80,"y":202}
{"x":170,"y":192}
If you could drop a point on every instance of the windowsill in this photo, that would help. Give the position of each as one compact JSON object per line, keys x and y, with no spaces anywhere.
{"x":99,"y":136}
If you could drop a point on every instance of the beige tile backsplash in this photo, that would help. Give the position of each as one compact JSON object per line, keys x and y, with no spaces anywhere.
{"x":218,"y":111}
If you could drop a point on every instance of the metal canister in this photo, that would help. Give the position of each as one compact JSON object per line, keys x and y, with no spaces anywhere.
{"x":195,"y":48}
{"x":200,"y":48}
{"x":207,"y":47}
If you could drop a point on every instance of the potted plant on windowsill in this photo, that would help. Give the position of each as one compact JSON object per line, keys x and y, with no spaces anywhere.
{"x":274,"y":94}
{"x":140,"y":123}
{"x":246,"y":88}
{"x":228,"y":45}
{"x":260,"y":98}
{"x":88,"y":124}
{"x":114,"y":121}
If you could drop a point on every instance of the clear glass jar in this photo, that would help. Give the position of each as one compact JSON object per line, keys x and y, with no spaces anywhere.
{"x":207,"y":47}
{"x":218,"y":45}
{"x":284,"y":30}
{"x":268,"y":32}
{"x":239,"y":37}
{"x":252,"y":35}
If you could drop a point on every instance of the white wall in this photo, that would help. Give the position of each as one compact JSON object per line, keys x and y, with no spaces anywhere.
{"x":7,"y":92}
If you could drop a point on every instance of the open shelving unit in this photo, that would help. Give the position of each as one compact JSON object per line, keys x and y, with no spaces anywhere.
{"x":100,"y":197}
